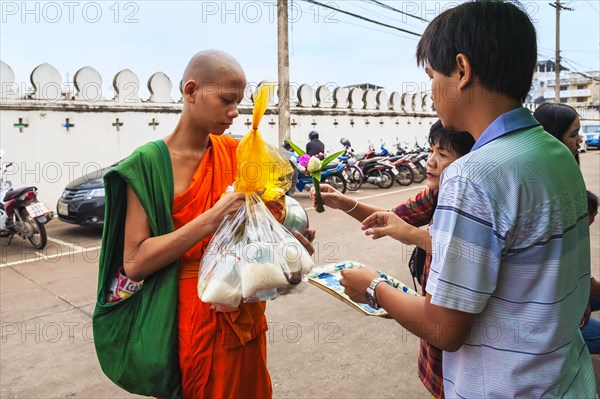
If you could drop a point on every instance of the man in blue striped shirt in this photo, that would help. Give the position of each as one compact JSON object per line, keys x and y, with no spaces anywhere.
{"x":509,"y":279}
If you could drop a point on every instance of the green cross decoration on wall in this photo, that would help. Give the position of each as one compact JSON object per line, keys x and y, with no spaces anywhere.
{"x":21,"y":125}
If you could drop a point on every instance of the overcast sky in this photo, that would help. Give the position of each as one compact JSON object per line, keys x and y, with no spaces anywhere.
{"x":326,"y":47}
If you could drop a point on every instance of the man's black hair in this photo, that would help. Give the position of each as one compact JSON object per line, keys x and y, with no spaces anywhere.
{"x":459,"y":142}
{"x":497,"y":37}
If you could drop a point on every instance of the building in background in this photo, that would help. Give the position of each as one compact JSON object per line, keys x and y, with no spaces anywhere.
{"x":577,"y":89}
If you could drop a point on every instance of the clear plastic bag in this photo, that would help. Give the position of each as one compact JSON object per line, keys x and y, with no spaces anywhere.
{"x":251,"y":258}
{"x":219,"y":280}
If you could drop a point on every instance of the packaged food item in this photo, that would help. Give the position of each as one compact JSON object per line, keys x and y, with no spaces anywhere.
{"x":122,"y":287}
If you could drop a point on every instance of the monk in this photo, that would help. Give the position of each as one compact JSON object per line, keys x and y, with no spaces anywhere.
{"x":221,"y":355}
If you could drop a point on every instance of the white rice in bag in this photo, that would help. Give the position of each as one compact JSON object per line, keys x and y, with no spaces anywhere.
{"x":258,"y":277}
{"x":220,"y":292}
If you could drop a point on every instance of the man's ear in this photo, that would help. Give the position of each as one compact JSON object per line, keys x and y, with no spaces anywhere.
{"x":189,"y":89}
{"x":465,"y":72}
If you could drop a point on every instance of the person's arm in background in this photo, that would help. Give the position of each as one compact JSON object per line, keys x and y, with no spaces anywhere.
{"x":336,"y":200}
{"x":382,"y":224}
{"x":403,"y":223}
{"x":594,"y":287}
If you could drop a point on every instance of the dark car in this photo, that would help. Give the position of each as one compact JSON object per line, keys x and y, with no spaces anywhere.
{"x":82,"y":202}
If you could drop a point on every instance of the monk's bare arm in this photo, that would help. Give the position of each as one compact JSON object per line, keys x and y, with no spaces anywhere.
{"x":145,"y":254}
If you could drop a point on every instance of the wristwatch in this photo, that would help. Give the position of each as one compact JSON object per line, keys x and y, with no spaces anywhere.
{"x":370,"y":292}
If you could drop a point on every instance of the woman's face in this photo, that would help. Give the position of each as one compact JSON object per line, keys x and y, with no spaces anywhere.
{"x":571,"y":137}
{"x":438,"y":160}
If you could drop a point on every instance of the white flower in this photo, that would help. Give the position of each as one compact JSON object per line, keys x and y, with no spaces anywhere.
{"x":314,"y":164}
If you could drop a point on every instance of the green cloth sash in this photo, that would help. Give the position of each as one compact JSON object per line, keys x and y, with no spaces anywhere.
{"x":136,"y":338}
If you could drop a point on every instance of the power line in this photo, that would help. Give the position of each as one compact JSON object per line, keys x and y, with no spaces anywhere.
{"x":577,"y":63}
{"x":361,"y":17}
{"x":404,"y":36}
{"x":591,"y":5}
{"x":543,"y":52}
{"x":396,"y":10}
{"x":382,"y":15}
{"x":581,"y":73}
{"x":574,"y":69}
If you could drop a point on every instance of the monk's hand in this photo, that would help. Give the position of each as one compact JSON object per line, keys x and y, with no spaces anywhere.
{"x":356,"y":282}
{"x":227,"y":205}
{"x":306,"y":240}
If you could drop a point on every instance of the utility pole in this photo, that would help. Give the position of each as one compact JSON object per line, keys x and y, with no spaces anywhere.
{"x":558,"y":7}
{"x":283,"y":64}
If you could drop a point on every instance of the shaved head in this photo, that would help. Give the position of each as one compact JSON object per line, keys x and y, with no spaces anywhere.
{"x":210,"y":66}
{"x":213,"y":86}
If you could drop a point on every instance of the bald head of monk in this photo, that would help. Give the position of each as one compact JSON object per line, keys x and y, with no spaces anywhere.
{"x":209,"y":66}
{"x":213,"y":86}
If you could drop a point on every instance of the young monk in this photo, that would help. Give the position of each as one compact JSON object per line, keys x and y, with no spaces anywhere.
{"x":221,"y":355}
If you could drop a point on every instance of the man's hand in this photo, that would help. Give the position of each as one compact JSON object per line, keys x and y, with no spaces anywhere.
{"x":356,"y":282}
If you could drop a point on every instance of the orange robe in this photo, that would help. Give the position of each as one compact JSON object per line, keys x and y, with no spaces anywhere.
{"x":221,"y":355}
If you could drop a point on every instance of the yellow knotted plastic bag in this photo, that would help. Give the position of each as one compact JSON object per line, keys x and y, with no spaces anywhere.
{"x":262,"y":169}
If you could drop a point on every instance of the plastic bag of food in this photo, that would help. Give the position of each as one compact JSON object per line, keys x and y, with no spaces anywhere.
{"x":251,"y":257}
{"x":219,"y":280}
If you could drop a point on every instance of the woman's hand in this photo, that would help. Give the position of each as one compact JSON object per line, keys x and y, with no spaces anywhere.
{"x":381,"y":224}
{"x":356,"y":282}
{"x":332,"y":198}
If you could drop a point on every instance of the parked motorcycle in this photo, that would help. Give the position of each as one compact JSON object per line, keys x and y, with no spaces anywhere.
{"x":415,"y":159}
{"x":378,"y":171}
{"x":21,"y":213}
{"x":353,"y":174}
{"x":333,"y":174}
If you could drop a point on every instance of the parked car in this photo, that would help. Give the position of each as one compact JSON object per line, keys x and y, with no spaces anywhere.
{"x":592,"y":134}
{"x":82,"y":201}
{"x":583,"y":147}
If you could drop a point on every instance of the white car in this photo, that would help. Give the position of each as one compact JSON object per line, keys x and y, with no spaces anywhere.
{"x":583,"y":147}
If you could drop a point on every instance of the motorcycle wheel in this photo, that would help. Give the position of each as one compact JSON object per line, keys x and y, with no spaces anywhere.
{"x":39,"y":237}
{"x":336,"y":181}
{"x":419,"y":174}
{"x":405,"y":175}
{"x":387,"y":179}
{"x":355,"y":179}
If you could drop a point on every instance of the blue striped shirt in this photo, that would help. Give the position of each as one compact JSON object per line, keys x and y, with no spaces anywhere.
{"x":511,"y":244}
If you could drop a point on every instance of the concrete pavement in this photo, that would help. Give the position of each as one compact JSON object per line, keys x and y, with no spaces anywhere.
{"x":318,"y":346}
